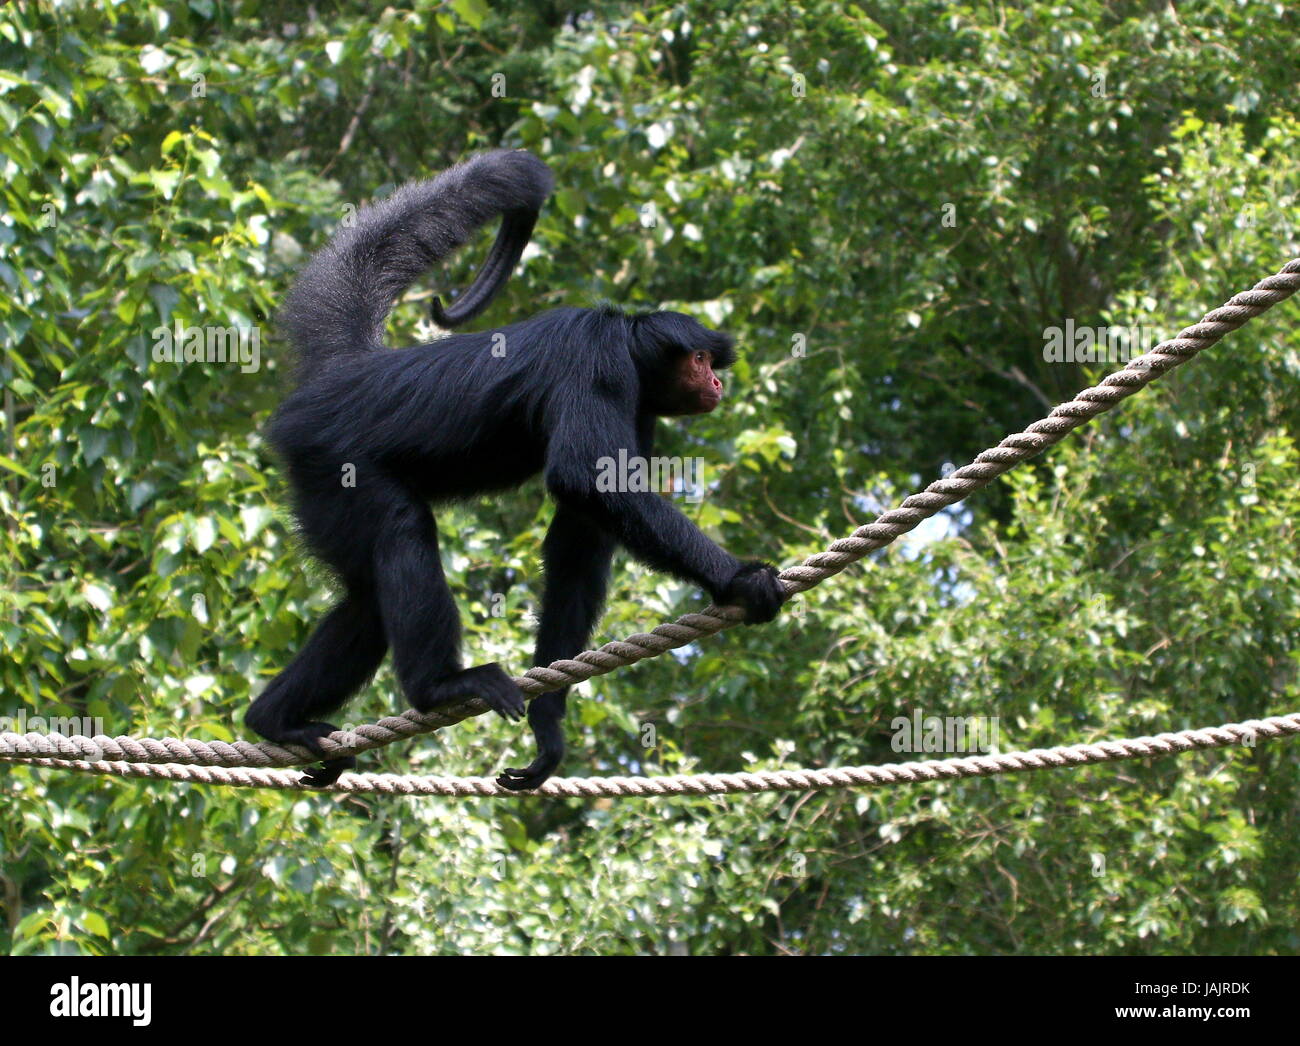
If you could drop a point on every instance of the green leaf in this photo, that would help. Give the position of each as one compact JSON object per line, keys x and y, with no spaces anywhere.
{"x":472,"y":12}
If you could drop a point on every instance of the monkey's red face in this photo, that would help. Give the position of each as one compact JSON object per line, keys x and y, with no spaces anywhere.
{"x":697,"y":389}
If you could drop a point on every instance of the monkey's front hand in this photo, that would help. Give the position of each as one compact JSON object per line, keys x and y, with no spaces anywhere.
{"x":758,"y":589}
{"x":534,"y":775}
{"x":550,"y":748}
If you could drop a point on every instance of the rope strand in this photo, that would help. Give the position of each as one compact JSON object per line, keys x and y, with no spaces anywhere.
{"x":88,"y":754}
{"x":1247,"y":733}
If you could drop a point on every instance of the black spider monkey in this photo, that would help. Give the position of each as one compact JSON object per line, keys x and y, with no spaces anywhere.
{"x":371,"y":436}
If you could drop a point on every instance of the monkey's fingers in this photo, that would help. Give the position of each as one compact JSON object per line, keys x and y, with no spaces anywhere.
{"x":522,"y":780}
{"x":534,"y":775}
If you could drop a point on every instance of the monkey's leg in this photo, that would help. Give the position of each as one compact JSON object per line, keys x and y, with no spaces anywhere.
{"x":421,"y":620}
{"x":577,"y":556}
{"x":338,"y":659}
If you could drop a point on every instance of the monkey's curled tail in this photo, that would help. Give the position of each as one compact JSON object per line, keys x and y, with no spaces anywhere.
{"x":341,"y":299}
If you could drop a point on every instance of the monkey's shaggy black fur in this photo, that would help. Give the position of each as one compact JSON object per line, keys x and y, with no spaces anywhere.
{"x":470,"y":414}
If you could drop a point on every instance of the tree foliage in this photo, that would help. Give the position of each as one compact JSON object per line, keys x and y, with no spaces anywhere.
{"x":888,"y":204}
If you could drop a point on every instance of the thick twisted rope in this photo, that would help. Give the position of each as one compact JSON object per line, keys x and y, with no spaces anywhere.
{"x":1247,"y":733}
{"x":886,"y":528}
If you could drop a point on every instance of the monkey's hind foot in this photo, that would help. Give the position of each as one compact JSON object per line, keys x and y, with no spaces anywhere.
{"x":308,"y":735}
{"x":327,"y":773}
{"x":329,"y":770}
{"x":486,"y":681}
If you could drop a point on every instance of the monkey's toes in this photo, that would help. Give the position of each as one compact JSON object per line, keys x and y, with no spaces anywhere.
{"x":509,"y":703}
{"x":327,"y":773}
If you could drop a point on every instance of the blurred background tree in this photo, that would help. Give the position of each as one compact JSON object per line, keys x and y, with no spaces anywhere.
{"x":888,"y":204}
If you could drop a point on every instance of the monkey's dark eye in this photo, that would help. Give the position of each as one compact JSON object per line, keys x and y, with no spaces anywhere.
{"x":701,"y":356}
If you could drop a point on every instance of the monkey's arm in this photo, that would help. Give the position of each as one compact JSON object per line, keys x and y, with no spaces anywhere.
{"x":577,"y":556}
{"x":643,"y":522}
